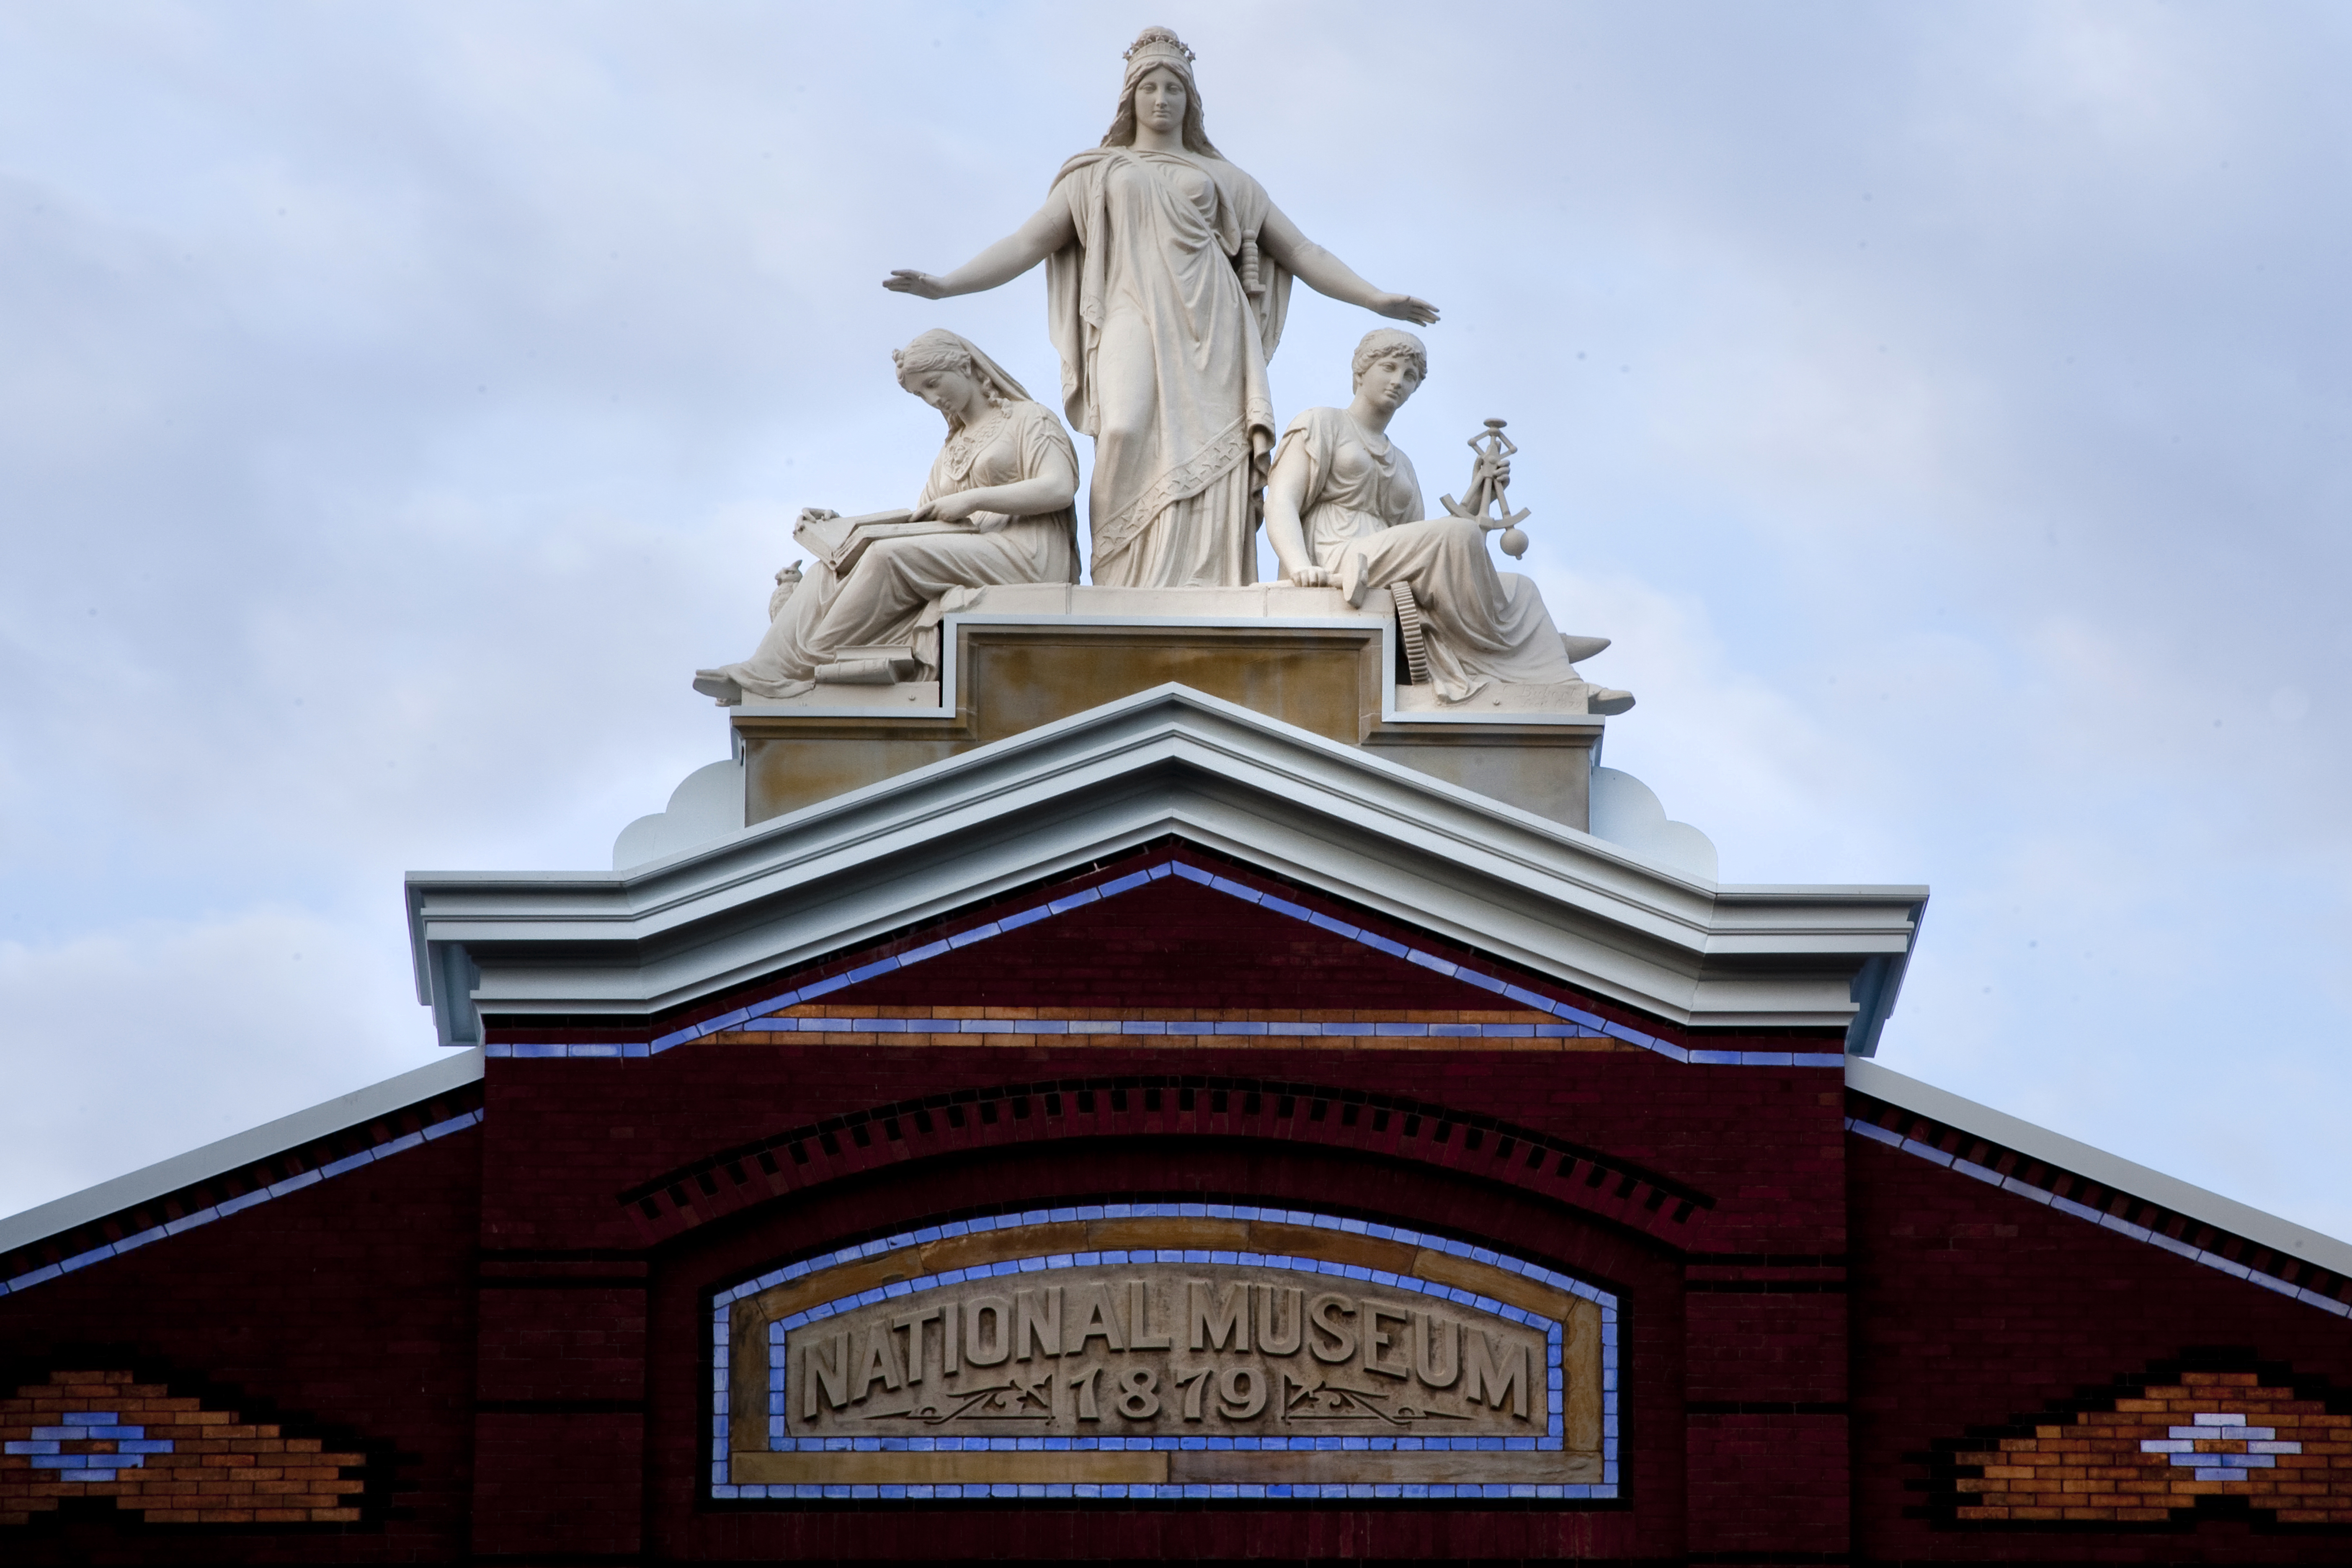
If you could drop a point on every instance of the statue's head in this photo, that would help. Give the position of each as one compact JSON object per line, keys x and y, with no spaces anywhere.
{"x":936,"y":368}
{"x":1390,"y":346}
{"x":947,"y":371}
{"x":1160,"y":68}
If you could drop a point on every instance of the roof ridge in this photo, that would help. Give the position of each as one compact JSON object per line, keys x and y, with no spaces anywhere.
{"x":254,"y":1146}
{"x":2288,"y":1242}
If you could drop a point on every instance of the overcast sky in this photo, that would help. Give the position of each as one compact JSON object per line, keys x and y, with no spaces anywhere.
{"x":1947,"y":409}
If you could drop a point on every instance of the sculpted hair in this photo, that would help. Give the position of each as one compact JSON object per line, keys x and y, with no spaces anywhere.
{"x":1154,"y":48}
{"x":939,"y":348}
{"x":935,"y":350}
{"x":1388,"y":343}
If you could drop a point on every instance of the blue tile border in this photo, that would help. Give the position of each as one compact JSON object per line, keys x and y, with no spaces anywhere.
{"x":1273,"y":1028}
{"x":44,"y":1449}
{"x":1213,"y":1492}
{"x":722,"y":1487}
{"x":222,"y":1210}
{"x":759,"y":1017}
{"x":2090,"y":1216}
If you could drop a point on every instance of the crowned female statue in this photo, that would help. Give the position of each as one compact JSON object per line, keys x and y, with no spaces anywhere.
{"x":998,"y":509}
{"x":1168,"y":273}
{"x":1343,"y":509}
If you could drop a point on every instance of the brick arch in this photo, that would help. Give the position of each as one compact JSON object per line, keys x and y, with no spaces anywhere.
{"x":1179,"y":1109}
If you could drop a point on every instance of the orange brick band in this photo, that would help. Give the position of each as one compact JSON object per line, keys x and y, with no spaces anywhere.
{"x":2162,"y":1451}
{"x":188,"y":1464}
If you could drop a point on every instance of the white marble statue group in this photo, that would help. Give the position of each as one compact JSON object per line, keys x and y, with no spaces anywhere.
{"x":1168,"y":276}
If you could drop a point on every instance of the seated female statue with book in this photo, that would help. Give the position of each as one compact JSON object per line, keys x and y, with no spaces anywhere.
{"x":996,"y":509}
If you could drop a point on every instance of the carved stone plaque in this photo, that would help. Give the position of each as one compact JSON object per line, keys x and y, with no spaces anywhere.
{"x":1165,"y":1350}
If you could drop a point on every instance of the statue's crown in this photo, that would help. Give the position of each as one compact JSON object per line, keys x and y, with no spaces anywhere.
{"x":1158,"y":46}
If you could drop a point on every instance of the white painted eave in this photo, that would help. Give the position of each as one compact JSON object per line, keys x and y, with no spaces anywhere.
{"x":1170,"y":760}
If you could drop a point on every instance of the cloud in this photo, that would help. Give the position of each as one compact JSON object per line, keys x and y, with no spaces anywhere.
{"x":132,"y":1045}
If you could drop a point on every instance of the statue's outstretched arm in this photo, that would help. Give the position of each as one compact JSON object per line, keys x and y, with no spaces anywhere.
{"x":1327,"y":274}
{"x":1047,"y":230}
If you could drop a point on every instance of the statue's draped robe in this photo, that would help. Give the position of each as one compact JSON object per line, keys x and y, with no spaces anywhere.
{"x":892,"y":594}
{"x":1163,"y":362}
{"x":1478,"y":624}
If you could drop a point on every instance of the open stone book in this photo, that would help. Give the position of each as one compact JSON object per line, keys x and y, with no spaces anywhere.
{"x":841,"y":541}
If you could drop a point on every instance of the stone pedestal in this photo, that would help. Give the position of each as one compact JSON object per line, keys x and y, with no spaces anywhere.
{"x":1016,"y":659}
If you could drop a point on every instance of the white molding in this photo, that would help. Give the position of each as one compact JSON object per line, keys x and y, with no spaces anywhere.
{"x":951,"y":651}
{"x":1043,"y":803}
{"x":238,"y":1149}
{"x":2281,"y":1235}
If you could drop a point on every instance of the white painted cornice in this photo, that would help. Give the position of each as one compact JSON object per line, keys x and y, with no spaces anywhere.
{"x":1170,"y":760}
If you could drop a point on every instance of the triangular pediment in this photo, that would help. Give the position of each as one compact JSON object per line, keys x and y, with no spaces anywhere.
{"x":650,"y":947}
{"x":1158,"y":941}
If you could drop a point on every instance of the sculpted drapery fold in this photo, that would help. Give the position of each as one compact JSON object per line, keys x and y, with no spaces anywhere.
{"x":1357,"y":483}
{"x":894,"y":596}
{"x":1163,"y":360}
{"x":1167,"y":274}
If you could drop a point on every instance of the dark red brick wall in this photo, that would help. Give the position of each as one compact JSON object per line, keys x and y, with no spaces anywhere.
{"x":565,"y":1137}
{"x":1766,"y":1145}
{"x":349,"y":1302}
{"x":1976,"y":1306}
{"x":491,"y":1306}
